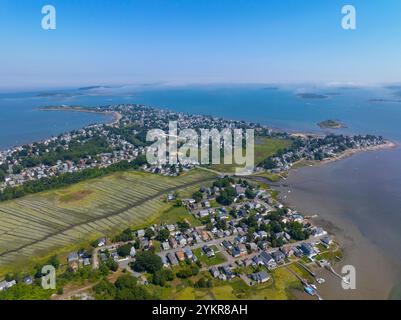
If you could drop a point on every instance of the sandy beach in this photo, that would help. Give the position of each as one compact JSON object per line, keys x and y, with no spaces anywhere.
{"x":116,"y":115}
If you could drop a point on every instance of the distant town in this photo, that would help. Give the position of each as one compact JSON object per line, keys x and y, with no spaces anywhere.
{"x":103,"y":145}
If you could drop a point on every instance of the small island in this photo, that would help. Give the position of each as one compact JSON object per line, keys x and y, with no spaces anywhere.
{"x":331,"y":124}
{"x":312,"y":96}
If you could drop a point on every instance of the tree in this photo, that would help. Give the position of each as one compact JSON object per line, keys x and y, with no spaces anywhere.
{"x":147,"y":261}
{"x":124,"y":250}
{"x":54,"y":261}
{"x":104,"y":290}
{"x":203,"y":283}
{"x":249,"y":193}
{"x":2,"y":175}
{"x":149,"y":233}
{"x":183,"y":225}
{"x":188,"y":271}
{"x":125,"y":236}
{"x":197,"y":196}
{"x":226,"y":197}
{"x":162,"y":276}
{"x":296,"y":231}
{"x":128,"y":289}
{"x":163,"y":235}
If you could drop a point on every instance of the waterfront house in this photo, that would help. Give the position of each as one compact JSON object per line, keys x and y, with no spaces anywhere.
{"x":307,"y":250}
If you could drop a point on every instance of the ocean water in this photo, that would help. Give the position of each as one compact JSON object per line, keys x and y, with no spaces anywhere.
{"x":279,"y":107}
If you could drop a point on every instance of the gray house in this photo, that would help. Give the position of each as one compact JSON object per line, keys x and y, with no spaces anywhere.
{"x":267,"y":260}
{"x":260,"y":277}
{"x":278,"y":256}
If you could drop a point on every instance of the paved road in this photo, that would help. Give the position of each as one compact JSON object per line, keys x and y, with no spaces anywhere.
{"x":215,"y":242}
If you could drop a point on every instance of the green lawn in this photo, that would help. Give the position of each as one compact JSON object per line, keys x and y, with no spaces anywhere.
{"x":264,"y":148}
{"x":217,"y":259}
{"x":174,"y":214}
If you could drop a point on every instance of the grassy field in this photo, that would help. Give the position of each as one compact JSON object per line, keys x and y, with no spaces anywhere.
{"x":45,"y":223}
{"x":280,"y":287}
{"x":174,"y":214}
{"x":264,"y":148}
{"x":217,"y":259}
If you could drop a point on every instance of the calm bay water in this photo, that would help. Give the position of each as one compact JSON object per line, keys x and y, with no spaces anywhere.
{"x":363,"y":190}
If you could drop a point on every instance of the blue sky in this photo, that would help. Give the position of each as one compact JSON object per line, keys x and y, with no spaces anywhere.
{"x":190,"y":41}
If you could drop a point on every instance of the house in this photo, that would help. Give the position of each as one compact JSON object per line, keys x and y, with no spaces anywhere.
{"x":170,"y":227}
{"x":204,"y":235}
{"x":297,"y":252}
{"x":72,"y":257}
{"x":227,"y":271}
{"x":170,"y":197}
{"x":140,"y":233}
{"x":208,"y":251}
{"x":242,"y":249}
{"x":4,"y":285}
{"x":173,"y":243}
{"x":260,"y":277}
{"x":206,"y":204}
{"x":86,"y":262}
{"x":115,"y":256}
{"x":203,"y":213}
{"x":181,"y":240}
{"x":189,"y":201}
{"x":288,"y":251}
{"x":227,"y":244}
{"x":267,"y":260}
{"x":164,"y":261}
{"x":165,"y":246}
{"x":132,"y":252}
{"x":103,"y":257}
{"x":327,"y":241}
{"x":101,"y":242}
{"x":248,"y":262}
{"x":252,"y":246}
{"x":262,"y":234}
{"x":307,"y":250}
{"x":214,"y":271}
{"x":278,"y":256}
{"x":240,"y":191}
{"x":318,"y":232}
{"x":188,"y":253}
{"x":180,"y":255}
{"x":172,"y":259}
{"x":235,"y":252}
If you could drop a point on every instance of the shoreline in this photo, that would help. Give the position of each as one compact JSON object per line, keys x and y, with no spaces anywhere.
{"x":117,"y":116}
{"x":358,"y":251}
{"x":378,"y":272}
